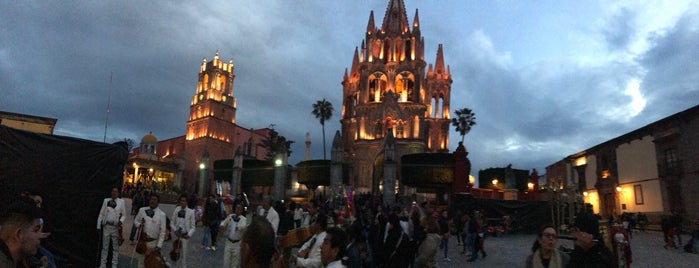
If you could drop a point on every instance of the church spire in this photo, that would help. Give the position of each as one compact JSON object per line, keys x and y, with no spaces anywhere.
{"x":416,"y":21}
{"x":395,"y":21}
{"x":371,"y":27}
{"x":439,"y":64}
{"x":354,"y":71}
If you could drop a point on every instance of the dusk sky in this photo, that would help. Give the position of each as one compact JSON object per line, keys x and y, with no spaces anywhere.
{"x":546,"y":79}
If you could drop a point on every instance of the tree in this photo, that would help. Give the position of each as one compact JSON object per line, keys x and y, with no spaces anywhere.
{"x":323,"y":110}
{"x":464,"y":120}
{"x":275,"y":143}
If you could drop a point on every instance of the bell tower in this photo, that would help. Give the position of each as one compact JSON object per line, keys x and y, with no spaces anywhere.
{"x":211,"y":122}
{"x":387,"y":90}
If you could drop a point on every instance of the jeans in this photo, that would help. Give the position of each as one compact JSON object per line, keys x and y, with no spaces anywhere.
{"x":445,"y":245}
{"x":206,"y":240}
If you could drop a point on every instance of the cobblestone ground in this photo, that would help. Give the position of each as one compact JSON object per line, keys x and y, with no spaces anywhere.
{"x":503,"y":251}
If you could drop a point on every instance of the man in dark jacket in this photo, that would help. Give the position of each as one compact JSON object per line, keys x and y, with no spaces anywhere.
{"x":212,"y":218}
{"x":590,"y":252}
{"x":395,"y":246}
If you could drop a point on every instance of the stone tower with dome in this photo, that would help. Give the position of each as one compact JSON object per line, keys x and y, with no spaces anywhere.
{"x":186,"y":162}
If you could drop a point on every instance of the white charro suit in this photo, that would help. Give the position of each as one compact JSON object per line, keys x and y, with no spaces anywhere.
{"x":112,"y":214}
{"x":183,"y":222}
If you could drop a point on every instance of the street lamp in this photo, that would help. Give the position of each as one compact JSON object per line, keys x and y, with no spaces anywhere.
{"x":495,"y":183}
{"x":135,"y":173}
{"x":152,"y":181}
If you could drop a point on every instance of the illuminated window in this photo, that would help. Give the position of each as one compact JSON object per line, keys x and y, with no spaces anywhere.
{"x":377,"y":86}
{"x":404,"y":86}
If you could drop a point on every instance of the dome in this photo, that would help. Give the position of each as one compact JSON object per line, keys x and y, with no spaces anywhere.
{"x":149,"y":138}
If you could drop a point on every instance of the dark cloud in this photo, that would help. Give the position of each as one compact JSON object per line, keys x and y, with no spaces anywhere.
{"x":56,"y":59}
{"x":672,"y":68}
{"x":619,"y":30}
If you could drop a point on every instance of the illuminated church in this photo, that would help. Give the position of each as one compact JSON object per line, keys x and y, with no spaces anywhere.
{"x":390,"y":101}
{"x":186,"y":162}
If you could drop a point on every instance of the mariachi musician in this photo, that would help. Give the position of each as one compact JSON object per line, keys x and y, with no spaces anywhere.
{"x":112,"y":215}
{"x":152,"y":222}
{"x":183,"y":225}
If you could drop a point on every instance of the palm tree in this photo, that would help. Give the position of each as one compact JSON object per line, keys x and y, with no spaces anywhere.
{"x":323,"y":110}
{"x":464,"y":120}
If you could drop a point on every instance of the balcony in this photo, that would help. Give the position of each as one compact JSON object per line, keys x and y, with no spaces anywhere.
{"x":674,"y":170}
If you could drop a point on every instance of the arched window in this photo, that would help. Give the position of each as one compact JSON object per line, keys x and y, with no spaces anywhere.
{"x":387,"y":50}
{"x":404,"y":86}
{"x":437,"y":102}
{"x":206,"y":81}
{"x":400,"y":128}
{"x":378,"y":130}
{"x":222,"y":82}
{"x":399,"y":50}
{"x":377,"y":86}
{"x":377,"y":49}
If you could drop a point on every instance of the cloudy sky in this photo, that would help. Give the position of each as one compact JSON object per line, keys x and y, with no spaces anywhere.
{"x":546,"y":79}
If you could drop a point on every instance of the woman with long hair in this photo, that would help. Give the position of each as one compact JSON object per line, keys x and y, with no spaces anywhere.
{"x":544,"y":251}
{"x":429,"y":248}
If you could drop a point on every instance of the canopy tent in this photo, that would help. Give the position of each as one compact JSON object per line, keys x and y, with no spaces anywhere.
{"x":73,"y":176}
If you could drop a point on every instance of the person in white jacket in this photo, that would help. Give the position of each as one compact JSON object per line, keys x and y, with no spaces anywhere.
{"x":309,"y":255}
{"x":153,"y":222}
{"x":233,"y":226}
{"x":183,"y":224}
{"x":112,"y":215}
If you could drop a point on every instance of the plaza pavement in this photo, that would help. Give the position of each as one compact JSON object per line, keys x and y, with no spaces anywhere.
{"x":504,"y":251}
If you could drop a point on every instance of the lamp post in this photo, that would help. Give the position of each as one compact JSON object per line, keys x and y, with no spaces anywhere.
{"x":202,"y":179}
{"x":135,"y":173}
{"x":152,"y":181}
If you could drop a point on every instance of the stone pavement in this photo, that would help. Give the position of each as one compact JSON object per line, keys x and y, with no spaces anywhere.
{"x":503,"y":251}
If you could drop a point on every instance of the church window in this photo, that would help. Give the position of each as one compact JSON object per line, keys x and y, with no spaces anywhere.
{"x":377,"y":86}
{"x":222,"y":82}
{"x":387,"y":51}
{"x":206,"y":81}
{"x":399,"y":55}
{"x":408,"y":49}
{"x":670,"y":158}
{"x":399,"y":130}
{"x":377,"y":48}
{"x":378,"y":130}
{"x":404,"y":86}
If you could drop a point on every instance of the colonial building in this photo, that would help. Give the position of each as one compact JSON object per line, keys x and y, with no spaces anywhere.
{"x":27,"y":122}
{"x":186,"y":162}
{"x":388,"y":93}
{"x":653,"y":169}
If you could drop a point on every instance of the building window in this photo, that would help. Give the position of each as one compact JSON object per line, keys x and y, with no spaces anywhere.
{"x":670,"y":158}
{"x":638,"y":193}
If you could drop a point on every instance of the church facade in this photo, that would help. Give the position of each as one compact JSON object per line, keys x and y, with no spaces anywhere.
{"x":388,"y":95}
{"x":186,"y":162}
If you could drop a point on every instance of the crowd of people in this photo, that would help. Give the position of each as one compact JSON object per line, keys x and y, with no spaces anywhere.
{"x":362,"y":233}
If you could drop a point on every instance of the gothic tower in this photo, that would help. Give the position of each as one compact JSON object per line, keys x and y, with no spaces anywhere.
{"x":211,"y":122}
{"x":387,"y":90}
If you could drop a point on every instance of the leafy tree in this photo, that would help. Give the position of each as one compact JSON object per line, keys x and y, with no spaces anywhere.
{"x":463,"y":121}
{"x":323,"y":110}
{"x":275,"y":143}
